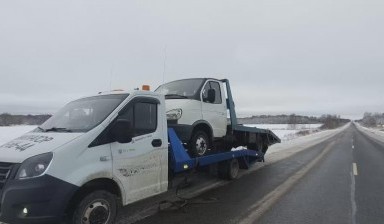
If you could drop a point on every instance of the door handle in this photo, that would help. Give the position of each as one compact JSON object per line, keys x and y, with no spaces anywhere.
{"x":157,"y":142}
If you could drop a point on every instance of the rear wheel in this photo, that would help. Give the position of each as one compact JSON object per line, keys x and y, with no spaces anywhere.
{"x":228,"y":169}
{"x":199,"y":144}
{"x":98,"y":207}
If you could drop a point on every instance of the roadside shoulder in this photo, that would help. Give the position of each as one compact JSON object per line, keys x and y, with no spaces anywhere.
{"x":373,"y":133}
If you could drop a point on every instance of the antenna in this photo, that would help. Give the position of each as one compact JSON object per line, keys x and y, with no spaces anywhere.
{"x":165,"y":62}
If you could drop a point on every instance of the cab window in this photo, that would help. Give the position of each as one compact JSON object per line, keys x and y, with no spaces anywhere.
{"x":216,"y":87}
{"x":143,"y":118}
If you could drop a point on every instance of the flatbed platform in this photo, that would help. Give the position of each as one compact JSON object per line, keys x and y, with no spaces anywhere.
{"x":180,"y":161}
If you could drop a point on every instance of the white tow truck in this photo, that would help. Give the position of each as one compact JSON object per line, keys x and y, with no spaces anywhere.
{"x":101,"y":152}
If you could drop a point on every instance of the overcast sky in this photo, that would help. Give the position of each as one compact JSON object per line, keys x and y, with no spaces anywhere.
{"x":281,"y":56}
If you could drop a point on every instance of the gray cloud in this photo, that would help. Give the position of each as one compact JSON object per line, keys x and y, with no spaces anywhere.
{"x":297,"y":56}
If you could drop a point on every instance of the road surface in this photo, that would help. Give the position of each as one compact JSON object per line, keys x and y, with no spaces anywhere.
{"x":340,"y":180}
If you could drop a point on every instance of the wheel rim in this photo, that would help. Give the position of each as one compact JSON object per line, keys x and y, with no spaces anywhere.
{"x":201,"y":145}
{"x":97,"y":212}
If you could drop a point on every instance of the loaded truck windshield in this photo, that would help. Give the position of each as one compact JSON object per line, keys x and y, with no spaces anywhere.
{"x":82,"y":115}
{"x":186,"y":88}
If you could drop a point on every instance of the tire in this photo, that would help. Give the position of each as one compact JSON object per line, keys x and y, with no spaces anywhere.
{"x":199,"y":144}
{"x":228,"y":169}
{"x":98,"y":207}
{"x":260,"y":148}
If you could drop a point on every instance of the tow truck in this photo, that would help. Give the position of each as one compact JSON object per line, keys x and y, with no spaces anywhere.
{"x":101,"y":152}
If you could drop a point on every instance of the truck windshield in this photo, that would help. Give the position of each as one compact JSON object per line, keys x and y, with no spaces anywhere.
{"x":187,"y":88}
{"x":82,"y":115}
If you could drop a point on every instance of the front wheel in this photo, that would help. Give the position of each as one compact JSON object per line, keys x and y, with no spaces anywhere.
{"x":199,"y":144}
{"x":98,"y":207}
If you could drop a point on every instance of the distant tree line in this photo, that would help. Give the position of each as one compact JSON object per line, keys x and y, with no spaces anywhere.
{"x":332,"y":121}
{"x":9,"y":119}
{"x":372,"y":119}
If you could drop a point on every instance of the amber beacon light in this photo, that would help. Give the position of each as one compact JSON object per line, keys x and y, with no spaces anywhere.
{"x":146,"y":87}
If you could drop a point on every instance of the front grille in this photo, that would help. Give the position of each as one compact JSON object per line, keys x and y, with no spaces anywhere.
{"x":5,"y":171}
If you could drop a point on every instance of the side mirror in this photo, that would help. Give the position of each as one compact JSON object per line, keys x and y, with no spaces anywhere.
{"x":211,"y":95}
{"x":122,"y":131}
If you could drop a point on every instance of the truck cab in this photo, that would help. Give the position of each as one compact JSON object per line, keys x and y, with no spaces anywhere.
{"x":197,"y":111}
{"x":93,"y":155}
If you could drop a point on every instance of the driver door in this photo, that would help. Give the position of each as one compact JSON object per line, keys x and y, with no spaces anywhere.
{"x":138,"y":164}
{"x":215,"y":112}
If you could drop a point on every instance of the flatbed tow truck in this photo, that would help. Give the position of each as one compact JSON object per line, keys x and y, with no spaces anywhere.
{"x":102,"y":152}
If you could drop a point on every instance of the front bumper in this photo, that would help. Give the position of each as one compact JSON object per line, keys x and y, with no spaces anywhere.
{"x":45,"y":198}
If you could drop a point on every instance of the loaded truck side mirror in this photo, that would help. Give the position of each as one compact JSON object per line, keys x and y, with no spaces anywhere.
{"x":211,"y":95}
{"x":122,"y":131}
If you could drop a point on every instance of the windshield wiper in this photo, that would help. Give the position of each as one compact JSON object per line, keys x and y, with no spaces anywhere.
{"x":41,"y":129}
{"x":175,"y":95}
{"x":55,"y":129}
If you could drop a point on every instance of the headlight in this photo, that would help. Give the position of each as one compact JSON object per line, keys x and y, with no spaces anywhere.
{"x":34,"y":166}
{"x":174,"y":114}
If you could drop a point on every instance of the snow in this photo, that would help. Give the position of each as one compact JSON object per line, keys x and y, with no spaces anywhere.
{"x":306,"y":141}
{"x":375,"y":133}
{"x":284,"y":132}
{"x":9,"y":133}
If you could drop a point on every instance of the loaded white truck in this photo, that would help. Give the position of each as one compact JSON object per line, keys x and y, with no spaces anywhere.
{"x":197,"y":110}
{"x":105,"y":151}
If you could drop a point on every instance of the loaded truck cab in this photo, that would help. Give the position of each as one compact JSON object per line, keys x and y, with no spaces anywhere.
{"x":94,"y":155}
{"x":197,"y":110}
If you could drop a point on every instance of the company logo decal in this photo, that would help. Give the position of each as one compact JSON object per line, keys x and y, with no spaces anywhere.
{"x":24,"y":142}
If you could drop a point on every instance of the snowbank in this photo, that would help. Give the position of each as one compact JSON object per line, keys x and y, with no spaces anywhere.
{"x":285,"y":132}
{"x":372,"y":132}
{"x":304,"y":142}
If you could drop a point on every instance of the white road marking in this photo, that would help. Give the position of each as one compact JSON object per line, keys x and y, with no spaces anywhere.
{"x":353,"y":200}
{"x":355,"y":169}
{"x":353,"y":146}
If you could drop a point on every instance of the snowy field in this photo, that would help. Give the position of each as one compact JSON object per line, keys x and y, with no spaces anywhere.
{"x":9,"y":133}
{"x":286,"y":132}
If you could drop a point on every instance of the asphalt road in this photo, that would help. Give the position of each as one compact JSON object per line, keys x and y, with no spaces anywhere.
{"x":340,"y":180}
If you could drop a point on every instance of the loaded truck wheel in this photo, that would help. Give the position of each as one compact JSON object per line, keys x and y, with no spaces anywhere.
{"x":199,"y":144}
{"x":98,"y":207}
{"x":228,"y":169}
